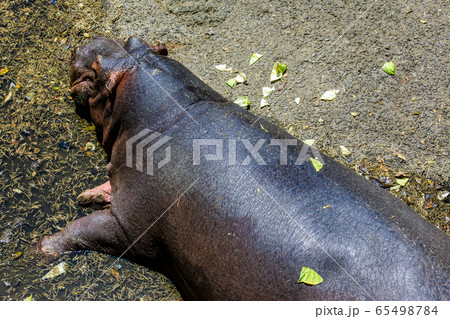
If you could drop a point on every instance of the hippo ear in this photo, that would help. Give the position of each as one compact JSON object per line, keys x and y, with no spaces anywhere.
{"x":160,"y":49}
{"x":134,"y":43}
{"x":113,"y":77}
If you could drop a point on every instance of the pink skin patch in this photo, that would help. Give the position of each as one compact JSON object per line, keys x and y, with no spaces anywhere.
{"x":97,"y":197}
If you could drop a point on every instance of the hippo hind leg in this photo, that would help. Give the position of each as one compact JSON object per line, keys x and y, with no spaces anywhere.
{"x":97,"y":231}
{"x":96,"y":198}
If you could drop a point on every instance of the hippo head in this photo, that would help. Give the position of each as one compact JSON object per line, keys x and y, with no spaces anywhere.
{"x":100,"y":64}
{"x":83,"y":73}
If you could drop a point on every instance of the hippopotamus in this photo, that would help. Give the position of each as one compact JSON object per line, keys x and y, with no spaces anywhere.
{"x":228,"y":205}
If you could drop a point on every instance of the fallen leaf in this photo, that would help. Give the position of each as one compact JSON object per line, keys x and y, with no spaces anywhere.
{"x":4,"y":70}
{"x":329,"y":95}
{"x":297,"y":100}
{"x":429,"y":205}
{"x":224,"y":68}
{"x":317,"y":164}
{"x":241,"y":78}
{"x":389,"y":68}
{"x":266,"y":91}
{"x":442,"y":195}
{"x":115,"y":273}
{"x":309,"y":142}
{"x":264,"y":103}
{"x":277,"y":71}
{"x":402,"y":181}
{"x":242,"y":101}
{"x":231,"y":82}
{"x":309,"y":277}
{"x":344,"y":150}
{"x":59,"y":269}
{"x":17,"y":255}
{"x":255,"y":57}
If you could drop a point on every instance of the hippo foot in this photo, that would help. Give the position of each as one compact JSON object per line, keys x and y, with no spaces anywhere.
{"x":43,"y":253}
{"x":96,"y":198}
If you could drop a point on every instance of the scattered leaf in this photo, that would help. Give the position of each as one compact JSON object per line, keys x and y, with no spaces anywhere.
{"x":17,"y":255}
{"x":309,"y":277}
{"x":317,"y":164}
{"x":16,"y":190}
{"x":429,"y":205}
{"x":231,"y":82}
{"x":389,"y":68}
{"x":354,"y":114}
{"x":277,"y":71}
{"x":89,"y":146}
{"x":242,"y":101}
{"x":30,"y":298}
{"x":423,"y":21}
{"x":297,"y":100}
{"x":266,"y":91}
{"x":241,"y":78}
{"x":309,"y":142}
{"x":86,"y":35}
{"x":59,"y":269}
{"x":344,"y":150}
{"x":329,"y":95}
{"x":264,"y":103}
{"x":282,"y":85}
{"x":326,"y":206}
{"x":442,"y":195}
{"x":4,"y":70}
{"x":224,"y":68}
{"x":115,"y":273}
{"x":255,"y":57}
{"x":402,"y":181}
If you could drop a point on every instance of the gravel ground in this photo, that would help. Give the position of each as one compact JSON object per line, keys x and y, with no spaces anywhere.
{"x":402,"y":119}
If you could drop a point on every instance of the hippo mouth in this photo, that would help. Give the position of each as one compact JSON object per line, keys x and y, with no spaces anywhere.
{"x":81,"y":91}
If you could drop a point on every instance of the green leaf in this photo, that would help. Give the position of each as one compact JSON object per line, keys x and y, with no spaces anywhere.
{"x":389,"y":68}
{"x":309,"y":142}
{"x":224,"y":68}
{"x":329,"y":95}
{"x":402,"y":181}
{"x":317,"y":165}
{"x":241,"y":78}
{"x":231,"y":82}
{"x":309,"y":277}
{"x":255,"y":57}
{"x":266,"y":91}
{"x":59,"y":269}
{"x":277,"y":71}
{"x":242,"y":101}
{"x":264,"y":103}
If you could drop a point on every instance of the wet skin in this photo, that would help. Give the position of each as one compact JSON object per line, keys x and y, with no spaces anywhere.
{"x":233,"y":229}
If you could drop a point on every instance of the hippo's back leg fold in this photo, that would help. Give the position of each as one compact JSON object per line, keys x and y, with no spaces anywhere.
{"x":97,"y":231}
{"x":96,"y":198}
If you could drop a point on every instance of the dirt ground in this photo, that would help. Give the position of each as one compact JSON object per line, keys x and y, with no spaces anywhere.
{"x":394,"y":126}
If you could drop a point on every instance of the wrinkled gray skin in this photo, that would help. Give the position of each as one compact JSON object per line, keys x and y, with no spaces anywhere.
{"x":227,"y":232}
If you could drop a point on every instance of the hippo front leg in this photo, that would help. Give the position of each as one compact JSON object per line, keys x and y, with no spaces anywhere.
{"x":98,"y":231}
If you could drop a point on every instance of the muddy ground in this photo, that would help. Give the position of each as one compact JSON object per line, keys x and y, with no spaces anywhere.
{"x":399,"y":127}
